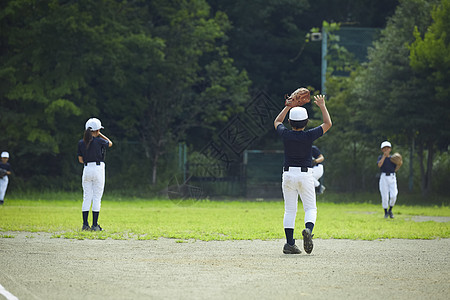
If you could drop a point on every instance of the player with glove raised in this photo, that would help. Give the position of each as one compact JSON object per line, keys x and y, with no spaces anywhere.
{"x":297,"y":170}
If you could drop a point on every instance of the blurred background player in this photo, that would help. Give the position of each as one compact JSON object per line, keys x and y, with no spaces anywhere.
{"x":388,"y":180}
{"x":4,"y":164}
{"x":91,"y":153}
{"x":317,"y":168}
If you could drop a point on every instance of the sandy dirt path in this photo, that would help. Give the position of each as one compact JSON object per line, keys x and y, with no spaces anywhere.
{"x":36,"y":266}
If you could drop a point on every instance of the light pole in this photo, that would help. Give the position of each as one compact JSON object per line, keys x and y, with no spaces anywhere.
{"x":324,"y":61}
{"x":322,"y":36}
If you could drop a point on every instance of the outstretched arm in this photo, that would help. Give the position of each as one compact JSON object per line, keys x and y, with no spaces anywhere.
{"x":281,"y":116}
{"x":320,"y":102}
{"x":319,"y":159}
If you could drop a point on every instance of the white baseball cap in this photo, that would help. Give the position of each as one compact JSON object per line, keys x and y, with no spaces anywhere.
{"x":94,"y":123}
{"x":385,"y":144}
{"x":5,"y":154}
{"x":298,"y":114}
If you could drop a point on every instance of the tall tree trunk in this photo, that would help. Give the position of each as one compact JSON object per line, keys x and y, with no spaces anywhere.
{"x":411,"y":169}
{"x":155,"y":167}
{"x":148,"y":154}
{"x":429,"y":171}
{"x":426,"y":173}
{"x":157,"y":153}
{"x":353,"y":177}
{"x":422,"y":169}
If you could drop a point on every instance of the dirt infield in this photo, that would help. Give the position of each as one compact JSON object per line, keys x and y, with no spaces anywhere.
{"x":36,"y":266}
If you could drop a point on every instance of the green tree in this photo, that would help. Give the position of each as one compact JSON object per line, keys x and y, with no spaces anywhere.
{"x":392,"y":95}
{"x":48,"y":52}
{"x":430,"y":59}
{"x":361,"y":13}
{"x":349,"y":159}
{"x":266,"y":38}
{"x":148,"y":70}
{"x":193,"y":85}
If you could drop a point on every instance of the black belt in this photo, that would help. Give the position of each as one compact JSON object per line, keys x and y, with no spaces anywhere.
{"x":388,"y":174}
{"x":303,"y":169}
{"x":96,"y":162}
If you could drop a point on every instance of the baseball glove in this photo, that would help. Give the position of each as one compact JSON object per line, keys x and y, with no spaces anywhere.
{"x":396,"y":158}
{"x":299,"y":97}
{"x":2,"y":172}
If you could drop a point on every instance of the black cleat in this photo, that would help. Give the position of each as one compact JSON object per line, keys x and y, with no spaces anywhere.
{"x":307,"y":240}
{"x":391,"y":215}
{"x":291,"y":249}
{"x":386,"y":215}
{"x":321,"y":189}
{"x":85,"y":227}
{"x":96,"y":228}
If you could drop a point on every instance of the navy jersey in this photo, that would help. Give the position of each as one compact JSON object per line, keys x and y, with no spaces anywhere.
{"x":315,"y":152}
{"x":6,"y":166}
{"x":388,"y":166}
{"x":96,"y":151}
{"x":297,"y":145}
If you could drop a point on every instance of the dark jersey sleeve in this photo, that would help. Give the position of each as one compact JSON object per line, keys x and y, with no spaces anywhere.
{"x":315,"y":152}
{"x":80,"y":147}
{"x":316,"y":132}
{"x":6,"y":166}
{"x":104,"y":142}
{"x":281,"y":129}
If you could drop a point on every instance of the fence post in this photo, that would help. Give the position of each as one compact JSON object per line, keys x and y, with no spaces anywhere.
{"x":182,"y":159}
{"x":411,"y":169}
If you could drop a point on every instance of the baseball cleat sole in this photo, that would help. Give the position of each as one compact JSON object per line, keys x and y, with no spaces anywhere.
{"x":307,"y":240}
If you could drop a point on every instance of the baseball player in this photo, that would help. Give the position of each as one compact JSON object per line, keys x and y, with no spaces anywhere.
{"x":388,"y":180}
{"x":297,"y":175}
{"x":91,"y":153}
{"x":317,"y":169}
{"x":5,"y":169}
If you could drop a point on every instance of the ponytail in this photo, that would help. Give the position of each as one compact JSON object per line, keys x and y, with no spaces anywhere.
{"x":87,"y":138}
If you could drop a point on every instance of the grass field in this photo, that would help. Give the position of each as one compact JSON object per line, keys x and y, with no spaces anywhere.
{"x":123,"y":218}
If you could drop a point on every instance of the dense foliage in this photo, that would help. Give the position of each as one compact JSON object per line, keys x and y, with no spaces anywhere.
{"x":398,"y":97}
{"x":160,"y":73}
{"x":149,"y":70}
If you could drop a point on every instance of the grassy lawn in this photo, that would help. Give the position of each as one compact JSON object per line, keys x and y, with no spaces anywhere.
{"x":122,"y":218}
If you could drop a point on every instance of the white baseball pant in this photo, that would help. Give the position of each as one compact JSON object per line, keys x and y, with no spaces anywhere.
{"x":388,"y":190}
{"x":3,"y":186}
{"x":297,"y":183}
{"x":93,"y":182}
{"x":317,"y":172}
